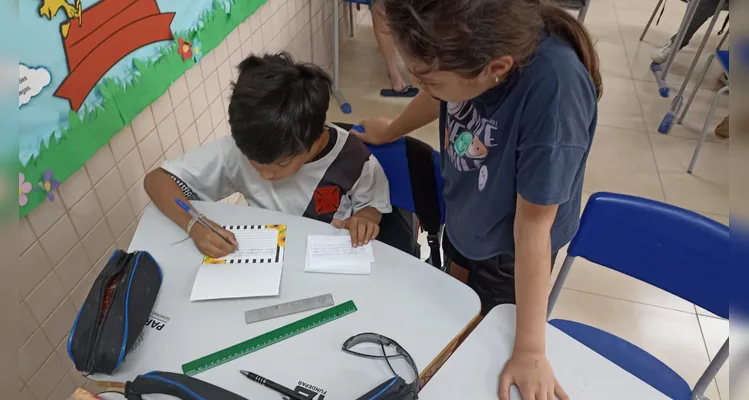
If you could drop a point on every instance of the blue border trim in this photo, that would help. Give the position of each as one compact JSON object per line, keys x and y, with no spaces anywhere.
{"x":127,"y":311}
{"x":152,"y":375}
{"x":392,"y":382}
{"x":80,"y":310}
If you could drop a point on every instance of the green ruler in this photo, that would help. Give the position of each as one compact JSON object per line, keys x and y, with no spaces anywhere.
{"x":259,"y":342}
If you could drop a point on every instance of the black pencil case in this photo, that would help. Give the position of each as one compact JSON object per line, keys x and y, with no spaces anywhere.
{"x":114,"y":312}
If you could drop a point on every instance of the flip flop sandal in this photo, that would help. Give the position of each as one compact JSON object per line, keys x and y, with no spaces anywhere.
{"x":408,"y":91}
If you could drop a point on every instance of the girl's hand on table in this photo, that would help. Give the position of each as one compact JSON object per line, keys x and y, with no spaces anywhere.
{"x":531,"y":372}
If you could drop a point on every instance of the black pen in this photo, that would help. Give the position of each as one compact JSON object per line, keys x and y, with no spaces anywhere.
{"x":272,"y":385}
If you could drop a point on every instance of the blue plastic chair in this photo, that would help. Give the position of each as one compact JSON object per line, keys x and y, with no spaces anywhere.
{"x":416,"y":185}
{"x":679,"y":251}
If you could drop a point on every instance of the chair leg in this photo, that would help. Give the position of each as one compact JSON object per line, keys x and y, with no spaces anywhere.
{"x":698,"y":393}
{"x":705,"y":127}
{"x":557,"y":288}
{"x":583,"y":11}
{"x":652,"y":17}
{"x":709,"y":61}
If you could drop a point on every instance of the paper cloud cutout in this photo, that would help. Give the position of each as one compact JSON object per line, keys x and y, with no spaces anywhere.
{"x":31,"y":81}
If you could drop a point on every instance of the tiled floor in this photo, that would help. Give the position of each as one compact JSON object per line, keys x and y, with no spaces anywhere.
{"x":628,"y":156}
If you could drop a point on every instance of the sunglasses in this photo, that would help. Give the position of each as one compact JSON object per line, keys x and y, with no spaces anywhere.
{"x":395,"y":388}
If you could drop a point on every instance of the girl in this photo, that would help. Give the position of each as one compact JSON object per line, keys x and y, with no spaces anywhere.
{"x":514,"y":84}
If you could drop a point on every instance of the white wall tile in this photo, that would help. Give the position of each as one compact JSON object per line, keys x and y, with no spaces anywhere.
{"x":101,"y":163}
{"x":150,"y":148}
{"x":57,"y":326}
{"x":178,"y":92}
{"x":245,"y":31}
{"x":199,"y":101}
{"x":86,"y":213}
{"x":208,"y":64}
{"x":222,"y":129}
{"x":138,"y":197}
{"x":168,"y":131}
{"x":26,"y":236}
{"x":233,"y":41}
{"x":73,"y":268}
{"x":75,"y":187}
{"x":59,"y":240}
{"x":247,"y":49}
{"x":212,"y":86}
{"x":123,"y":242}
{"x":33,"y":266}
{"x":162,"y":107}
{"x":194,"y":77}
{"x":98,"y":241}
{"x":79,"y":293}
{"x":175,"y":151}
{"x":259,"y":41}
{"x":131,"y":168}
{"x":27,"y":325}
{"x":183,"y":115}
{"x":33,"y":354}
{"x":190,"y":138}
{"x":120,"y":216}
{"x":224,"y":75}
{"x":110,"y":190}
{"x":122,"y":143}
{"x":217,"y":112}
{"x":46,"y":297}
{"x":204,"y":125}
{"x":48,"y":377}
{"x":143,"y":124}
{"x":256,"y":21}
{"x":63,"y":391}
{"x":221,"y":52}
{"x":234,"y":60}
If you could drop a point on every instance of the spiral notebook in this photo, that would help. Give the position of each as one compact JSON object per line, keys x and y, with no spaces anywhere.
{"x":253,"y":270}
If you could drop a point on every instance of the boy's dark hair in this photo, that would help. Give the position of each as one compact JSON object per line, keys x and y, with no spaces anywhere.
{"x":463,"y":36}
{"x":278,"y":107}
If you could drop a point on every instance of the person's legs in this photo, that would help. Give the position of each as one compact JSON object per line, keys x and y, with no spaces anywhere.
{"x":492,"y":279}
{"x":387,"y":46}
{"x":705,"y":11}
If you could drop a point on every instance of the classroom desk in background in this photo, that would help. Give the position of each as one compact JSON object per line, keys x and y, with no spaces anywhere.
{"x":472,"y":372}
{"x":420,"y":307}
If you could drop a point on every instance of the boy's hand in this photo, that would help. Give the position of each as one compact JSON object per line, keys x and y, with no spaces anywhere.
{"x":209,"y":243}
{"x":363,"y":230}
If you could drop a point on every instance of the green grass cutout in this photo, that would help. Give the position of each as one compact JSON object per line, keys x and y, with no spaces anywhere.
{"x":123,"y":101}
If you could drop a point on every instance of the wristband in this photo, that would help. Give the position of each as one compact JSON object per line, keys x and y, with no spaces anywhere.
{"x":190,"y":225}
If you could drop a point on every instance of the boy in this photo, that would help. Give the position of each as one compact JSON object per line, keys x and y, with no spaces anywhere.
{"x":281,"y":156}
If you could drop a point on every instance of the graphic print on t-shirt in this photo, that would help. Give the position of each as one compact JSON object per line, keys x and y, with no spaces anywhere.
{"x":468,"y":138}
{"x":327,"y":199}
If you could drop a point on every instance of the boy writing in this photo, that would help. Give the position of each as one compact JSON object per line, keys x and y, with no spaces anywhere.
{"x":281,"y":156}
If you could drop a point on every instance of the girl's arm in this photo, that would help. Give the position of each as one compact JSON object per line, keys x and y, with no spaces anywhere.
{"x":528,"y":368}
{"x":422,"y":110}
{"x":532,"y":272}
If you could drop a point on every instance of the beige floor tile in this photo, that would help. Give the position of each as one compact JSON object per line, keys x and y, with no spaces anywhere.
{"x":613,"y":60}
{"x":622,"y":161}
{"x":619,"y":107}
{"x":715,"y":332}
{"x":654,"y":107}
{"x":706,"y":189}
{"x":674,"y":337}
{"x":588,"y":277}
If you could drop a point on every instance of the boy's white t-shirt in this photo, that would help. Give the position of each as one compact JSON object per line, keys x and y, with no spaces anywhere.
{"x":345,"y":180}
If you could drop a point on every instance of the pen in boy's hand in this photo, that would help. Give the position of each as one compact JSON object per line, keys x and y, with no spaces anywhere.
{"x":199,"y":218}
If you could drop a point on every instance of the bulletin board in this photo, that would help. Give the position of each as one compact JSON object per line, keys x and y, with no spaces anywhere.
{"x":88,"y":67}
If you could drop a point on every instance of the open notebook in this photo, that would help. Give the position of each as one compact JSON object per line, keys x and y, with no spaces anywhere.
{"x":254,"y":270}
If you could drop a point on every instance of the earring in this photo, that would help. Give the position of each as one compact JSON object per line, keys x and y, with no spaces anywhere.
{"x":496,"y":79}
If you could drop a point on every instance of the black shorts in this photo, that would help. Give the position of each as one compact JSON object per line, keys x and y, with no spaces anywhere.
{"x":492,"y":279}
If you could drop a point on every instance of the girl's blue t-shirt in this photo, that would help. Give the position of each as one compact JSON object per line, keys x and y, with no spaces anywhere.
{"x":529,"y":136}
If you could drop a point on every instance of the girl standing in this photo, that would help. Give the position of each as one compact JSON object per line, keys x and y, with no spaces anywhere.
{"x":514,"y":84}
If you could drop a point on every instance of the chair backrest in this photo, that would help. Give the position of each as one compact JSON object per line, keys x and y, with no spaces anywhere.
{"x":674,"y":249}
{"x":722,"y":56}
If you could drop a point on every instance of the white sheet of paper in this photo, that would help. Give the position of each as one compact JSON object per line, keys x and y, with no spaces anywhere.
{"x":254,"y":270}
{"x":334,"y":255}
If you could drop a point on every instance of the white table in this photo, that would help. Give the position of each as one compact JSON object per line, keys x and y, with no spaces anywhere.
{"x":420,"y":307}
{"x":472,"y":372}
